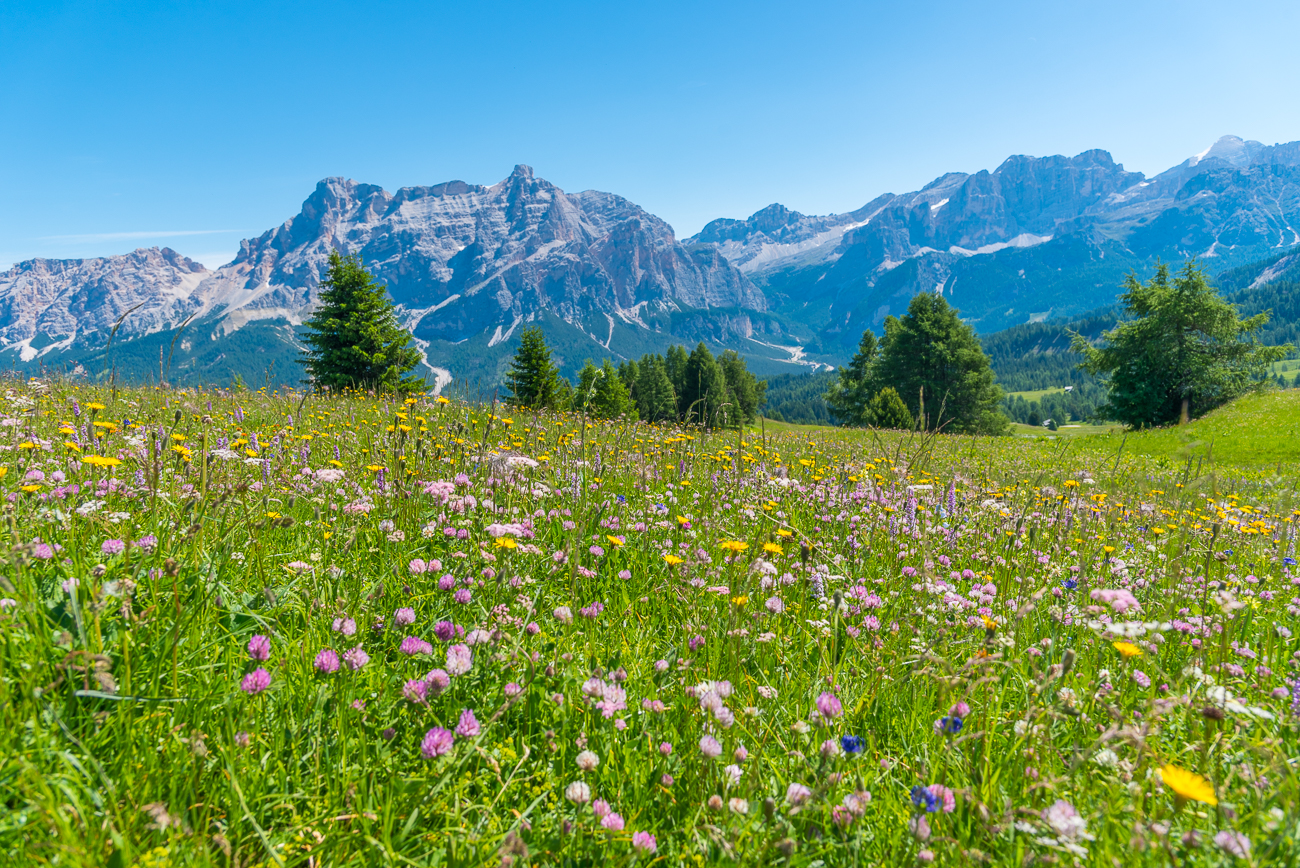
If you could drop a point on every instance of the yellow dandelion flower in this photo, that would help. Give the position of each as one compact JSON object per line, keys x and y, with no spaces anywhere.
{"x":733,"y":545}
{"x":773,"y":549}
{"x":1128,"y":649}
{"x":672,"y":560}
{"x":94,"y":406}
{"x":614,"y":540}
{"x":31,"y":488}
{"x":739,"y":601}
{"x":505,"y":542}
{"x":101,"y":461}
{"x":785,"y":533}
{"x":1188,"y":785}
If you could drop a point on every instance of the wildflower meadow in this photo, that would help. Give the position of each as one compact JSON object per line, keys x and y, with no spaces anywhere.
{"x":251,"y":628}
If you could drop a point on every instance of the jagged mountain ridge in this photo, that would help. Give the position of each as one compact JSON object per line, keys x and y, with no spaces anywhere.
{"x":466,"y":264}
{"x":1036,"y":237}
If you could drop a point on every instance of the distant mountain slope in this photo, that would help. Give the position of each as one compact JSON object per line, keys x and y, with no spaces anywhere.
{"x":468,"y":266}
{"x":1037,"y":238}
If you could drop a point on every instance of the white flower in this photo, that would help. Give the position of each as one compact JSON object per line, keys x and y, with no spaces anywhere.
{"x":1106,"y":758}
{"x":1065,"y":820}
{"x":766,"y":692}
{"x":738,"y":806}
{"x":578,"y":793}
{"x":587,"y":761}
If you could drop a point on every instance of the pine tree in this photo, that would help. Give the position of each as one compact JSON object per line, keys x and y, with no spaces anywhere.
{"x":887,"y":410}
{"x":937,"y":366}
{"x":849,"y":395}
{"x":675,"y":365}
{"x":704,"y":389}
{"x":354,"y":338}
{"x":1184,"y":352}
{"x":745,"y":388}
{"x":533,"y":379}
{"x":655,"y":399}
{"x":601,"y":391}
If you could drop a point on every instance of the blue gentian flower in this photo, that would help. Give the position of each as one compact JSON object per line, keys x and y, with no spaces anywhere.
{"x":851,"y":744}
{"x":951,"y":725}
{"x":1069,"y":584}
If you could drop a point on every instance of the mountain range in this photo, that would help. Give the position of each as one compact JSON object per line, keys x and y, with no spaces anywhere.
{"x":468,"y":266}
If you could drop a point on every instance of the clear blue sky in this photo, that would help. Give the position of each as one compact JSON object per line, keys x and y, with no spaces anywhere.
{"x":195,"y":124}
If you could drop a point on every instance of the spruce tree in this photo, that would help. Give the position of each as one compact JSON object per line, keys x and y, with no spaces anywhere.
{"x":1184,"y":352}
{"x":887,"y":410}
{"x":354,"y":340}
{"x":533,"y":379}
{"x":747,"y":390}
{"x":850,"y":394}
{"x":704,"y":389}
{"x":939,"y":369}
{"x":601,"y":391}
{"x":675,"y":364}
{"x":655,"y":399}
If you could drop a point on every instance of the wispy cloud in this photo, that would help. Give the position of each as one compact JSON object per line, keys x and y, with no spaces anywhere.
{"x":122,"y":236}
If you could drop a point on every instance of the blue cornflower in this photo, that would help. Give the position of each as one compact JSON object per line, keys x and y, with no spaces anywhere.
{"x":851,"y":743}
{"x":923,"y":798}
{"x":1069,"y":584}
{"x":951,"y":725}
{"x":1228,"y":552}
{"x":1290,"y":562}
{"x":622,"y":499}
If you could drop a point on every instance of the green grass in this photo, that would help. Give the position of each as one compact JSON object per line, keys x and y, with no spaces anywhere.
{"x":1036,"y":394}
{"x":1258,"y":430}
{"x":753,"y":648}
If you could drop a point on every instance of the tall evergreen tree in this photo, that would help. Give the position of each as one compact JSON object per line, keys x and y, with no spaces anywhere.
{"x":887,"y":410}
{"x":675,"y":365}
{"x":601,"y":391}
{"x":533,"y":379}
{"x":655,"y":399}
{"x":704,"y":389}
{"x":850,"y":394}
{"x":936,"y":365}
{"x":353,"y":338}
{"x":745,"y":388}
{"x":1184,"y":352}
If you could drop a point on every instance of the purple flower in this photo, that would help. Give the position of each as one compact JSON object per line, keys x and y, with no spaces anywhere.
{"x":113,"y":547}
{"x":463,"y":595}
{"x":404,"y":616}
{"x":415,"y":645}
{"x":415,"y":690}
{"x":613,"y":821}
{"x":468,"y":726}
{"x":346,"y":626}
{"x":447,"y":582}
{"x":417,"y":566}
{"x":356,"y":658}
{"x":148,"y":543}
{"x":438,"y":681}
{"x":797,"y":794}
{"x":327,"y":661}
{"x":944,"y":797}
{"x":829,"y":705}
{"x":710,"y":747}
{"x":444,"y":630}
{"x":259,"y":648}
{"x":644,"y":841}
{"x":512,"y":690}
{"x":437,"y":742}
{"x":256,"y":681}
{"x":459,"y":659}
{"x":42,"y":551}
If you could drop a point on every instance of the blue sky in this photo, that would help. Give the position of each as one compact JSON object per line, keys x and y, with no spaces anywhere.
{"x":193,"y":125}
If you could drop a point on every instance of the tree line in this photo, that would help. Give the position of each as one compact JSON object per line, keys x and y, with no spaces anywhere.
{"x":1177,"y":349}
{"x":698,"y":388}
